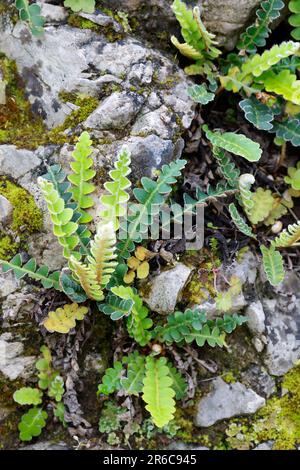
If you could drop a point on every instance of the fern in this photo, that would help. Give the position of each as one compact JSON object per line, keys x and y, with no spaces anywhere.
{"x":284,"y":83}
{"x":28,"y":396}
{"x":115,"y":202}
{"x":101,"y":261}
{"x":158,"y":393}
{"x":152,"y":196}
{"x":188,"y":327}
{"x":273,"y":265}
{"x":179,"y":385}
{"x":87,"y":278}
{"x":239,"y":222}
{"x":133,"y":382}
{"x":221,"y":190}
{"x":246,"y":197}
{"x":258,"y":64}
{"x":31,"y":14}
{"x":82,"y":174}
{"x":289,"y":237}
{"x":111,"y":380}
{"x":259,"y":114}
{"x":88,"y":6}
{"x":138,"y":322}
{"x":288,"y":130}
{"x":228,"y":169}
{"x":30,"y":269}
{"x":63,"y":228}
{"x":229,"y":322}
{"x":294,"y":19}
{"x":257,"y":33}
{"x":238,"y":144}
{"x":293,"y":177}
{"x":199,"y":94}
{"x":72,"y":289}
{"x":116,"y":307}
{"x":63,"y":319}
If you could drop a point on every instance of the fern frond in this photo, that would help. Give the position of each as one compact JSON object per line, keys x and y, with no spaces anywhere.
{"x":187,"y":50}
{"x":111,"y":381}
{"x":294,"y":19}
{"x":133,"y":382}
{"x":228,"y":323}
{"x":103,"y":246}
{"x":116,"y":307}
{"x":246,"y":196}
{"x":257,"y":33}
{"x":189,"y":27}
{"x":226,"y":166}
{"x":30,"y":269}
{"x":288,"y":130}
{"x":273,"y":265}
{"x":138,"y":322}
{"x":63,"y":319}
{"x":258,"y":64}
{"x":115,"y":202}
{"x":239,"y":222}
{"x":158,"y":393}
{"x":151,"y":197}
{"x":259,"y":114}
{"x":221,"y":190}
{"x":82,"y":174}
{"x":179,"y":385}
{"x":199,"y":94}
{"x":289,"y":237}
{"x":31,"y":14}
{"x":87,"y":6}
{"x":87,"y":279}
{"x":238,"y":144}
{"x":284,"y":83}
{"x":63,"y":228}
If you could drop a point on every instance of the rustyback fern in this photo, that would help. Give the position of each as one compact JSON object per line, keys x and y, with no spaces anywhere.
{"x":226,"y":166}
{"x":288,"y":130}
{"x":284,"y":83}
{"x":246,"y":196}
{"x":289,"y":237}
{"x":116,"y":307}
{"x":31,"y":14}
{"x":87,"y":278}
{"x":273,"y":265}
{"x":30,"y":269}
{"x":158,"y":393}
{"x":102,"y":258}
{"x":259,"y":114}
{"x":82,"y":174}
{"x":238,"y":144}
{"x":294,"y":19}
{"x":239,"y":222}
{"x":133,"y":382}
{"x":199,"y":94}
{"x":28,"y":396}
{"x":63,"y":319}
{"x":257,"y":33}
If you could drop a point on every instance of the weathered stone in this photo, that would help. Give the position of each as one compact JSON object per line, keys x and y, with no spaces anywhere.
{"x":17,"y":162}
{"x":182,"y":446}
{"x":226,"y":401}
{"x":164,"y":291}
{"x":283,"y":326}
{"x":12,"y":362}
{"x":8,"y":284}
{"x":53,"y":13}
{"x":256,"y":318}
{"x":47,"y":445}
{"x":265,"y":446}
{"x":6,"y":210}
{"x":259,"y":380}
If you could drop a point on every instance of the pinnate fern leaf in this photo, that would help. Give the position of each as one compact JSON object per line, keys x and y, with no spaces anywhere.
{"x":259,"y":114}
{"x":102,"y":259}
{"x":257,"y":33}
{"x":239,"y":222}
{"x":133,"y":382}
{"x":31,"y":14}
{"x":82,"y":174}
{"x":246,"y":196}
{"x":111,"y":381}
{"x":289,"y":237}
{"x":263,"y":202}
{"x":288,"y":130}
{"x":179,"y":384}
{"x":116,"y":307}
{"x":294,"y":19}
{"x":30,"y":269}
{"x":115,"y":202}
{"x":32,"y":423}
{"x":238,"y":144}
{"x":158,"y":393}
{"x":199,"y":94}
{"x":63,"y":228}
{"x":63,"y":319}
{"x":284,"y":83}
{"x":228,"y":169}
{"x":273,"y":265}
{"x":87,"y":279}
{"x":138,"y":322}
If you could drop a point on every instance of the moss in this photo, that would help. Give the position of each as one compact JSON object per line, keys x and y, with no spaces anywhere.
{"x":82,"y":23}
{"x":279,"y":420}
{"x":7,"y":247}
{"x":20,"y":127}
{"x":229,"y":378}
{"x":27,"y":217}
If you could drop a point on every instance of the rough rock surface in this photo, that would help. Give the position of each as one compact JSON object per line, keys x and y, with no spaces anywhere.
{"x":226,"y":401}
{"x":6,"y":210}
{"x":164,"y":291}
